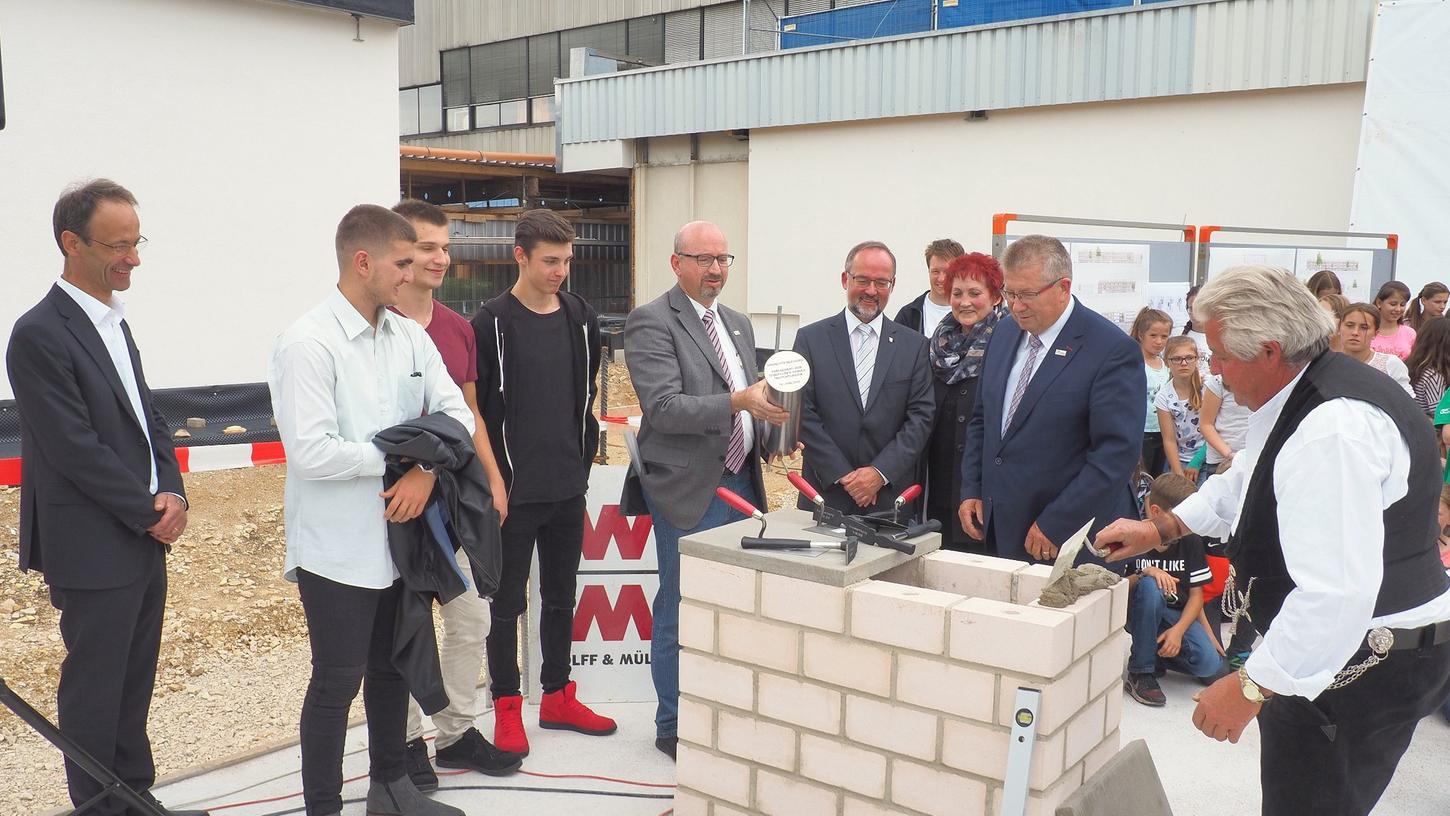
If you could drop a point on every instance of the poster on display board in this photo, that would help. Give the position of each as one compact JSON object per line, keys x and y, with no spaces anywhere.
{"x":618,"y":578}
{"x":1221,"y":258}
{"x":1111,"y":279}
{"x":1171,"y":298}
{"x":1353,"y":266}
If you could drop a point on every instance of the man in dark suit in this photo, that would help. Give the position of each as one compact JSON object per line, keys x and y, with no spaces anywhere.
{"x":101,"y":499}
{"x":692,"y":362}
{"x":1057,"y":427}
{"x":866,"y":412}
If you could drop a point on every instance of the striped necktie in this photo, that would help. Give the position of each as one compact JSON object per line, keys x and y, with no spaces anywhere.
{"x":735,"y":453}
{"x":865,"y":360}
{"x":1033,"y":346}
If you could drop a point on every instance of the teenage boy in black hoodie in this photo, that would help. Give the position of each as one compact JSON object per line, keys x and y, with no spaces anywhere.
{"x":538,"y":355}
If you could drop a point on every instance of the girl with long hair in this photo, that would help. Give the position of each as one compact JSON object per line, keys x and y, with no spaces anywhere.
{"x":1178,"y":404}
{"x":1151,"y":328}
{"x":1429,"y":303}
{"x":1429,"y":364}
{"x":1393,"y":337}
{"x":1358,"y":324}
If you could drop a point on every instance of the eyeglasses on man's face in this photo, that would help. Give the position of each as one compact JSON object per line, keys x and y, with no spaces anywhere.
{"x":863,"y":282}
{"x":1027,"y":297}
{"x":122,"y":248}
{"x":705,"y":260}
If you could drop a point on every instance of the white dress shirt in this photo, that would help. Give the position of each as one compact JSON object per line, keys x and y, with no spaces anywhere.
{"x":1333,"y":479}
{"x":1048,"y":337}
{"x":736,"y":369}
{"x":107,"y":320}
{"x":336,"y":382}
{"x":852,"y":324}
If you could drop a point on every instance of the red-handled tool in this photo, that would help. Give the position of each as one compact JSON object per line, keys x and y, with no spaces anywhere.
{"x":760,"y":542}
{"x":805,"y":488}
{"x":829,"y":521}
{"x":907,"y":496}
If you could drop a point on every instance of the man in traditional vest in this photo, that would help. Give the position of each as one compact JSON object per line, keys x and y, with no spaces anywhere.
{"x":1330,"y":513}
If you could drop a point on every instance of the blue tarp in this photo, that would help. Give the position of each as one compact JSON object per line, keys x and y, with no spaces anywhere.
{"x":888,"y":18}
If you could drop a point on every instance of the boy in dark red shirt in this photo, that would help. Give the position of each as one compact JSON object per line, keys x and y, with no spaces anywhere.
{"x":466,"y":619}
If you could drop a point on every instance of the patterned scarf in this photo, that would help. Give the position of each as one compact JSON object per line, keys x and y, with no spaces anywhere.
{"x":957,"y":354}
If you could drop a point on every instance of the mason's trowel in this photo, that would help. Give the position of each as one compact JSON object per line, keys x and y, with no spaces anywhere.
{"x":1067,"y":553}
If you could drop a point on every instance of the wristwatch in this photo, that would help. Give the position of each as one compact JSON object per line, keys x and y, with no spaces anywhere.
{"x":1251,"y":690}
{"x":425,"y":467}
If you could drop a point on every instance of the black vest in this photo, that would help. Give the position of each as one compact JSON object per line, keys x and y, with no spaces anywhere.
{"x":1413,"y":573}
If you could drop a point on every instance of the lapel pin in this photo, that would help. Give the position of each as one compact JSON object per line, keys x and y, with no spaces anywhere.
{"x":1060,"y":352}
{"x":891,"y":339}
{"x":735,"y":332}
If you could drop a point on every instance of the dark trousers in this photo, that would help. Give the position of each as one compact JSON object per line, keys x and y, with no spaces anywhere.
{"x":112,"y":640}
{"x":558,"y":530}
{"x":351,"y":632}
{"x":1155,"y":459}
{"x":1335,"y":755}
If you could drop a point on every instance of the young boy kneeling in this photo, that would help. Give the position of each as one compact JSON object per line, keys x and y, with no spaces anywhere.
{"x":1166,"y":602}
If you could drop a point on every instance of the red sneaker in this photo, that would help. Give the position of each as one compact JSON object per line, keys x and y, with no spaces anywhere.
{"x":560,"y":710}
{"x":508,"y":725}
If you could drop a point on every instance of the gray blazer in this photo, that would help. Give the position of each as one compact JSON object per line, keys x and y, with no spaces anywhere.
{"x":685,"y":400}
{"x":889,"y":433}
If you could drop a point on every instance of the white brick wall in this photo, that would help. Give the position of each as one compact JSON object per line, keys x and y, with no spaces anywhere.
{"x":854,"y":664}
{"x":713,"y":775}
{"x":792,"y":796}
{"x":697,"y":627}
{"x":947,"y":687}
{"x":888,"y":696}
{"x":1027,"y":639}
{"x":909,"y":617}
{"x":752,"y":640}
{"x":843,"y":766}
{"x":696,"y":722}
{"x":803,"y":602}
{"x":715,"y":583}
{"x":717,"y":680}
{"x":1061,"y":698}
{"x":934,"y":791}
{"x":896,"y":728}
{"x":751,"y":738}
{"x":973,"y":576}
{"x":804,"y":704}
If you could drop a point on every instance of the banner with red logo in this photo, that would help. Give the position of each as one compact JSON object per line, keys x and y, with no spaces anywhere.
{"x":618,"y":576}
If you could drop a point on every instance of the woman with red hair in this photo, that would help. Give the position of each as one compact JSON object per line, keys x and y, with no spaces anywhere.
{"x":956,"y":350}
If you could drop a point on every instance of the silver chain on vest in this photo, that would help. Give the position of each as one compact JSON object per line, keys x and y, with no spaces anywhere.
{"x":1380,"y":639}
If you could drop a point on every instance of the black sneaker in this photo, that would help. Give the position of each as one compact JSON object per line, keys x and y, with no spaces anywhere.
{"x":1144,"y":688}
{"x":475,"y":753}
{"x":1223,"y":670}
{"x":419,"y":769}
{"x":666,"y":745}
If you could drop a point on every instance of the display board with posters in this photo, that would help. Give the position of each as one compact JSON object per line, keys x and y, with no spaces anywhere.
{"x":1361,"y":271}
{"x":618,"y":577}
{"x":1116,"y":277}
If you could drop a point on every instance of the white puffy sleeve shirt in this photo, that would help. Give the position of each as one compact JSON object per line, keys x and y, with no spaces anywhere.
{"x":1333,"y":479}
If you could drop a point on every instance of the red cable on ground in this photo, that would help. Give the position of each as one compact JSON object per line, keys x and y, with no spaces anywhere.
{"x":616,"y":419}
{"x":599,"y":779}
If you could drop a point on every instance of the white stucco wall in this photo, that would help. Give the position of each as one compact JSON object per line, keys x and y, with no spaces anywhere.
{"x":1264,"y":159}
{"x":245,"y":129}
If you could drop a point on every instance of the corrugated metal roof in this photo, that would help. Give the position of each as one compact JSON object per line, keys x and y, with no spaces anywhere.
{"x":1192,"y":46}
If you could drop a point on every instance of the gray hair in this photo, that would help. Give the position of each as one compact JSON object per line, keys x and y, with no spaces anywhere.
{"x":1031,"y":250}
{"x":865,"y":245}
{"x":1256,"y":305}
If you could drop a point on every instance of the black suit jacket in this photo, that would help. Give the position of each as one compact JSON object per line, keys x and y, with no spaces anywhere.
{"x":889,"y":433}
{"x":85,"y":503}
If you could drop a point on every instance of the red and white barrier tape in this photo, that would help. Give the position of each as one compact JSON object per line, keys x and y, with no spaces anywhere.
{"x":192,"y":460}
